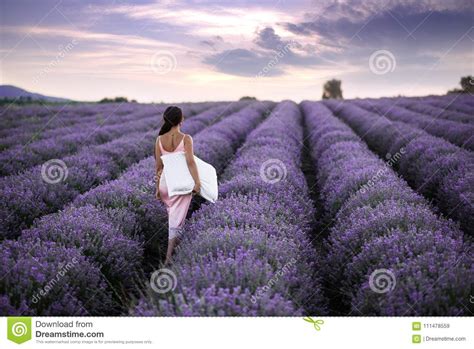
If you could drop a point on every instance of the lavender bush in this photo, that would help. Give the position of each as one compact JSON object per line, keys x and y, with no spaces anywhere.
{"x":31,"y":194}
{"x":28,"y":126}
{"x":438,"y":113}
{"x":432,"y":166}
{"x":96,"y":235}
{"x":43,"y":278}
{"x":381,"y":224}
{"x":450,"y":103}
{"x":454,"y":132}
{"x":63,"y":122}
{"x":22,"y":157}
{"x":63,"y":141}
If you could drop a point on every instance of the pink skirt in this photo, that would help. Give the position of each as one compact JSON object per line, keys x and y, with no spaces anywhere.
{"x":177,"y":207}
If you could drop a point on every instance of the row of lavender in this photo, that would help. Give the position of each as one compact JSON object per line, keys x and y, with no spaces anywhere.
{"x":16,"y":116}
{"x":63,"y":141}
{"x":28,"y":119}
{"x":249,"y":254}
{"x":439,"y":113}
{"x":24,"y":156}
{"x":432,"y":166}
{"x":35,"y":118}
{"x":450,"y":108}
{"x":456,"y":133}
{"x":57,"y":125}
{"x":461,"y":103}
{"x":387,"y":253}
{"x":45,"y":189}
{"x":104,"y":232}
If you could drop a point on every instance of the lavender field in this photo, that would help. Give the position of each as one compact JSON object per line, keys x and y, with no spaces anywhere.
{"x":341,"y":207}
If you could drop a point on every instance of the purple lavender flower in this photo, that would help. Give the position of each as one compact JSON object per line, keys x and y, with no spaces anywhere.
{"x":43,"y":278}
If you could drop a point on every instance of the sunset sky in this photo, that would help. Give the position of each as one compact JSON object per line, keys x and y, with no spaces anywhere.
{"x":221,"y":50}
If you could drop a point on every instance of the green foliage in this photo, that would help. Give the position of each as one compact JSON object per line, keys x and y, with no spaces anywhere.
{"x":29,"y":101}
{"x":114,"y":100}
{"x":332,"y":89}
{"x":467,"y":85}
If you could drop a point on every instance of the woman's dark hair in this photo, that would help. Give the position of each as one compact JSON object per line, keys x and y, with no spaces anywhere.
{"x":172,"y":116}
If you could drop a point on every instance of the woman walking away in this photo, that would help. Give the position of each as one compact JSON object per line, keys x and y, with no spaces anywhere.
{"x":171,"y":140}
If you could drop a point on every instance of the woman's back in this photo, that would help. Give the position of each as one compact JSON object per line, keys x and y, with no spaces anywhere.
{"x":170,"y":143}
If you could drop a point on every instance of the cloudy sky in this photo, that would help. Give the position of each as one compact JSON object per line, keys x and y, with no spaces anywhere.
{"x":198,"y":50}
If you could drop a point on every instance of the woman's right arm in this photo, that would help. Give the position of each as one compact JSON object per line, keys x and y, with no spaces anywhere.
{"x":189,"y":153}
{"x":159,"y":167}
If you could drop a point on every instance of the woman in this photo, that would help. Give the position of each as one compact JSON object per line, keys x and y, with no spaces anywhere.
{"x":171,"y":140}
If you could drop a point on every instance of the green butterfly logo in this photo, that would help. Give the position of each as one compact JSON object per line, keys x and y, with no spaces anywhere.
{"x":316,"y":323}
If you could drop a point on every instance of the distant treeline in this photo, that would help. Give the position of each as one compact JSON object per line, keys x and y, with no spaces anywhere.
{"x":332,"y":88}
{"x":30,"y":101}
{"x":117,"y":100}
{"x":35,"y":101}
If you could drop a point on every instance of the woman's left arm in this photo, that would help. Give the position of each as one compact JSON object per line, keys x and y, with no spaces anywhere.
{"x":189,"y":151}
